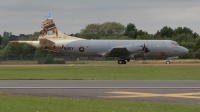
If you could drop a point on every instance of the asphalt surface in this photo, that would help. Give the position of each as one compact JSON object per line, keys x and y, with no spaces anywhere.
{"x":167,"y":91}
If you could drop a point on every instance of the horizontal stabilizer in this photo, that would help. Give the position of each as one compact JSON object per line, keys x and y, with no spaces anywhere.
{"x":14,"y":42}
{"x":32,"y":43}
{"x":45,"y":41}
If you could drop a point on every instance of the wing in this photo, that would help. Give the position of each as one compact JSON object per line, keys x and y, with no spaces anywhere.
{"x":124,"y":51}
{"x":117,"y":51}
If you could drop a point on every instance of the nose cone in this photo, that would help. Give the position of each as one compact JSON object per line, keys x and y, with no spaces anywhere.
{"x":184,"y":50}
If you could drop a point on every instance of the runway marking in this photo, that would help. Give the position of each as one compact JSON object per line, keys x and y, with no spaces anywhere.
{"x":125,"y":94}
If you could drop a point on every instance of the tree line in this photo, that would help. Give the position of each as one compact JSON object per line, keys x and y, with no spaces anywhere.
{"x":109,"y":30}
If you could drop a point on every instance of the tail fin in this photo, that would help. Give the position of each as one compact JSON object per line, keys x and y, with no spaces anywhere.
{"x":50,"y":33}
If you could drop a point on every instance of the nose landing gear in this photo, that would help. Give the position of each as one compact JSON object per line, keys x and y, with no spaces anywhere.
{"x":167,"y":62}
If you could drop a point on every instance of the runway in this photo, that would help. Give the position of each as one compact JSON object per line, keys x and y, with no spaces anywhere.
{"x":167,"y":91}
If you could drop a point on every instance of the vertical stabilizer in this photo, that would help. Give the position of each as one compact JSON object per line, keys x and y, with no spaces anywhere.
{"x":50,"y":32}
{"x":50,"y":37}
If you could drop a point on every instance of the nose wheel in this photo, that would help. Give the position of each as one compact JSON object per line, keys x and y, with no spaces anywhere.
{"x":121,"y":62}
{"x":167,"y":62}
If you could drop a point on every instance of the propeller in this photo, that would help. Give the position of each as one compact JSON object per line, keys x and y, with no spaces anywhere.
{"x":146,"y":50}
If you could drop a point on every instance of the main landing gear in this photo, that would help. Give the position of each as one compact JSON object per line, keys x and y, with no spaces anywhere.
{"x":123,"y":61}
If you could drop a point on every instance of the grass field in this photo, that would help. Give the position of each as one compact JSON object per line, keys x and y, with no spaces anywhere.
{"x":10,"y":103}
{"x":176,"y":61}
{"x":149,"y":72}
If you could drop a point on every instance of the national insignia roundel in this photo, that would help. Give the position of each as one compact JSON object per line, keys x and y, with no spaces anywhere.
{"x":81,"y":49}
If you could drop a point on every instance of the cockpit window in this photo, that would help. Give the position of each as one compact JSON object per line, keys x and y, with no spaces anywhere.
{"x":175,"y":44}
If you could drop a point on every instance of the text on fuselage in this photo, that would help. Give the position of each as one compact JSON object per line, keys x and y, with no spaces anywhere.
{"x":68,"y":48}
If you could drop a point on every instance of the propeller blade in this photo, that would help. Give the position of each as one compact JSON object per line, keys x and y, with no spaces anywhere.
{"x":146,"y":50}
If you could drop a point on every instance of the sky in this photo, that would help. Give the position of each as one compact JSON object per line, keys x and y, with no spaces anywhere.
{"x":70,"y":16}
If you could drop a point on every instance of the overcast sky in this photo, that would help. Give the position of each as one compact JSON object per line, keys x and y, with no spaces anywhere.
{"x":70,"y":16}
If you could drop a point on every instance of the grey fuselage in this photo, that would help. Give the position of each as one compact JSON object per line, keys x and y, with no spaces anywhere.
{"x":158,"y":48}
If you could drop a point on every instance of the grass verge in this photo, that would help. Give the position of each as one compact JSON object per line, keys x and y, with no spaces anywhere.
{"x":99,"y":62}
{"x":102,"y":73}
{"x":9,"y":103}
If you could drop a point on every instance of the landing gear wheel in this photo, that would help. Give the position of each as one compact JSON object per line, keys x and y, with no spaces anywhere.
{"x":124,"y":62}
{"x":167,"y":62}
{"x":121,"y":62}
